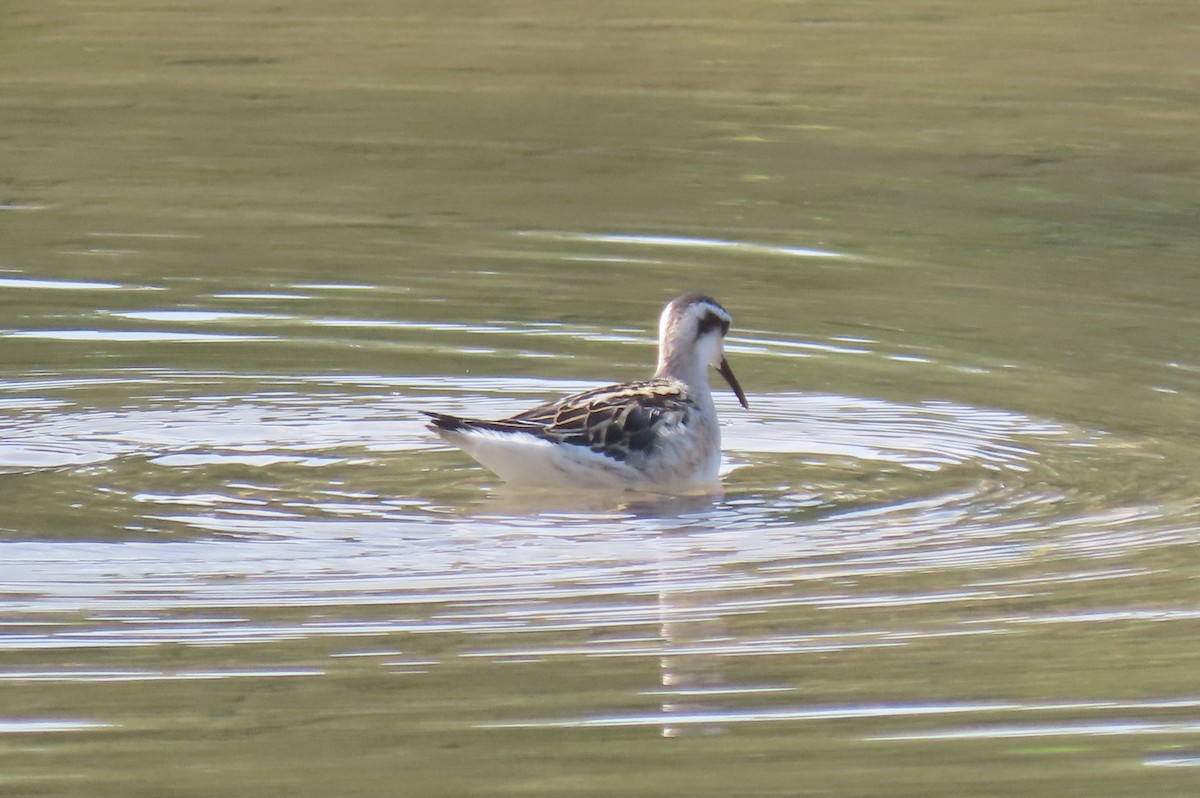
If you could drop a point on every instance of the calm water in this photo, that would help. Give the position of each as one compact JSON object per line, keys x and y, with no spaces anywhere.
{"x":243,"y":245}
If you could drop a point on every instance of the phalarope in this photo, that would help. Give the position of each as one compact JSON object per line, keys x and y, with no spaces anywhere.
{"x":652,"y":433}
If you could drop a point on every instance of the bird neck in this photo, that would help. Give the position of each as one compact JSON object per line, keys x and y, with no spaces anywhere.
{"x":688,"y":370}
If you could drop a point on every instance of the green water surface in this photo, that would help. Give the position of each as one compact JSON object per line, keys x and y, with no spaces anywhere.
{"x":243,"y":244}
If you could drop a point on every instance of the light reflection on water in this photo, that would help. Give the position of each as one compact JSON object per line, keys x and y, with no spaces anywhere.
{"x":663,"y":579}
{"x":147,"y":676}
{"x":887,"y":711}
{"x":140,"y":336}
{"x":57,"y":285}
{"x":684,"y":242}
{"x":1010,"y":731}
{"x":269,"y":511}
{"x":266,"y":512}
{"x":227,"y":574}
{"x":313,"y":415}
{"x":40,"y":726}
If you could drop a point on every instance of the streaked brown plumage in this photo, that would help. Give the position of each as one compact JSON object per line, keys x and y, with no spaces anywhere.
{"x":656,"y":432}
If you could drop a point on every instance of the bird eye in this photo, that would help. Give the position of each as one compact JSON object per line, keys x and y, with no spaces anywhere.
{"x":710,"y":322}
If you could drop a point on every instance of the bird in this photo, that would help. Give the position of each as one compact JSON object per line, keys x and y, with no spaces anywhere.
{"x":649,"y":434}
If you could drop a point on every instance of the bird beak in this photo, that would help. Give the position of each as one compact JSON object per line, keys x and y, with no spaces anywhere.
{"x":727,"y":373}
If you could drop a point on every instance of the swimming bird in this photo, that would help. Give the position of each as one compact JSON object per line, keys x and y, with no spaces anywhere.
{"x":655,"y":433}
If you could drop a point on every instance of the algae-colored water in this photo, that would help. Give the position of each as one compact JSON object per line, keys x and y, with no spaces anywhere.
{"x":242,"y":245}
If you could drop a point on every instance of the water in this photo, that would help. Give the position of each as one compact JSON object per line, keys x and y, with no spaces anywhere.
{"x":955,"y":552}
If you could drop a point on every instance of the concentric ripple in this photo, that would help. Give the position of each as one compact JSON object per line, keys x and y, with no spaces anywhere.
{"x":275,"y":511}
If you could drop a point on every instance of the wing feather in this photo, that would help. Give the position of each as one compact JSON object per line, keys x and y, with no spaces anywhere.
{"x":616,"y":420}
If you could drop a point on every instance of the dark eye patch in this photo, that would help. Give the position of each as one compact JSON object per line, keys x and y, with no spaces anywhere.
{"x":710,"y":322}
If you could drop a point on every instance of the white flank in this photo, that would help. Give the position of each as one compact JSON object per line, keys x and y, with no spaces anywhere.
{"x":524,"y":459}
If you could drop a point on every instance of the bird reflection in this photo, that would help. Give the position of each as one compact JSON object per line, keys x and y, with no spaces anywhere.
{"x":688,"y":674}
{"x":689,"y":628}
{"x":523,"y":501}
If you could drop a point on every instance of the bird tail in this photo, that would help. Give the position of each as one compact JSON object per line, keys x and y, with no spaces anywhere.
{"x":444,"y":423}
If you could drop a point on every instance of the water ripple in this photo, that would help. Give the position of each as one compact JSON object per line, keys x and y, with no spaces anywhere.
{"x":274,"y":510}
{"x":890,"y":711}
{"x":683,"y":242}
{"x":41,"y":726}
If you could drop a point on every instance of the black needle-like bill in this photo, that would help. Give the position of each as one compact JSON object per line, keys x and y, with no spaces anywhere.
{"x":727,"y":373}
